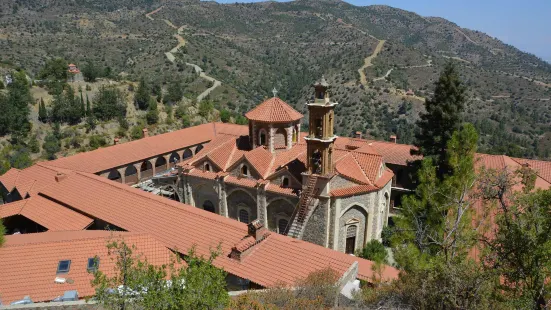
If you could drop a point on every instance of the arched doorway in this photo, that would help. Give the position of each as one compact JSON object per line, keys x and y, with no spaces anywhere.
{"x":279,"y":212}
{"x":209,"y":206}
{"x":357,"y":217}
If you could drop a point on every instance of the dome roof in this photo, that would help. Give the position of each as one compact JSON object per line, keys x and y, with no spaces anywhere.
{"x":274,"y":110}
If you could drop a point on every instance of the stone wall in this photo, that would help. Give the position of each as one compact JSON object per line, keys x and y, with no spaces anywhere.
{"x":316,"y":227}
{"x":237,"y":197}
{"x":279,"y":208}
{"x":203,"y":190}
{"x":361,"y":210}
{"x":340,"y":182}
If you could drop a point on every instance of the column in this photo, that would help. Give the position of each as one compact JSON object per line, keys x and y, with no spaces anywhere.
{"x":123,"y":177}
{"x":289,"y":131}
{"x":261,"y":204}
{"x":138,"y":167}
{"x":271,"y":133}
{"x":167,"y":159}
{"x":222,"y":202}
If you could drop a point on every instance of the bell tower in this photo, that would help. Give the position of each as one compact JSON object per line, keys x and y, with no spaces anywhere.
{"x":321,"y":138}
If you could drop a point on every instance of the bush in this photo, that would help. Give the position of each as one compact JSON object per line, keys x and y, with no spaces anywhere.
{"x":386,"y":235}
{"x":136,"y":132}
{"x":375,"y":251}
{"x":97,"y":141}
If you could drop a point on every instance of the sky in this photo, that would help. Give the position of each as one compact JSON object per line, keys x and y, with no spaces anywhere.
{"x":525,"y":24}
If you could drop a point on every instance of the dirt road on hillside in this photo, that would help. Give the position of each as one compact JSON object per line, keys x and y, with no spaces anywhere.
{"x":368,"y":62}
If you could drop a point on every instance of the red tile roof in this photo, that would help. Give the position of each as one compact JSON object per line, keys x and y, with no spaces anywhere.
{"x":394,"y":153}
{"x":274,"y":110}
{"x":30,"y":261}
{"x":180,"y":227}
{"x":47,"y":213}
{"x":122,"y":154}
{"x":30,"y":179}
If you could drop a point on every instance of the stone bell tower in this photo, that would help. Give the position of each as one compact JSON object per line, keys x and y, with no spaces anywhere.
{"x":320,"y":139}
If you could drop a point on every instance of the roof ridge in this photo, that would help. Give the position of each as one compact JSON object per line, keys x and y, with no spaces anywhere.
{"x":226,"y":166}
{"x":185,"y":207}
{"x":361,"y":169}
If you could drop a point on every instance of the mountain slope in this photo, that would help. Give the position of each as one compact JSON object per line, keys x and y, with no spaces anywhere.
{"x":252,"y":48}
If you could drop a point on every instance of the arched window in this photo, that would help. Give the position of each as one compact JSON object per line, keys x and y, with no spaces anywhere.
{"x":244,"y":170}
{"x":207,"y":167}
{"x":209,"y":206}
{"x":174,"y":158}
{"x":243,"y":216}
{"x":282,"y":225}
{"x":114,"y":175}
{"x":295,"y":134}
{"x":285,"y":181}
{"x":262,"y":137}
{"x":351,"y":239}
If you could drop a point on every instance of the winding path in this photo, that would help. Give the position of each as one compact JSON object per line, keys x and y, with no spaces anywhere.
{"x":368,"y":62}
{"x":181,"y":43}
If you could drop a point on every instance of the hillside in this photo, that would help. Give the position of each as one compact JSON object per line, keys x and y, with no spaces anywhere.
{"x":372,"y":55}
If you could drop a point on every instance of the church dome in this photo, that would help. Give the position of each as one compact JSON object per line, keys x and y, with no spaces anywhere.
{"x":274,"y":110}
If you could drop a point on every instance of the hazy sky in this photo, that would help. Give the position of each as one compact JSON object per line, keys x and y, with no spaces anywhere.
{"x":525,"y":24}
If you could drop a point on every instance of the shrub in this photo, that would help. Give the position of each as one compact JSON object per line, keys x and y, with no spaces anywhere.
{"x":375,"y":251}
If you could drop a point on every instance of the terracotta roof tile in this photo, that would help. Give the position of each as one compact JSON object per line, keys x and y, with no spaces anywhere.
{"x":12,"y":208}
{"x":349,"y":168}
{"x":261,"y":160}
{"x":369,"y":163}
{"x":394,"y":153}
{"x":122,"y":154}
{"x":29,"y":261}
{"x":354,"y":190}
{"x":274,"y":110}
{"x":180,"y":227}
{"x":47,"y":213}
{"x":9,"y":178}
{"x":281,"y":190}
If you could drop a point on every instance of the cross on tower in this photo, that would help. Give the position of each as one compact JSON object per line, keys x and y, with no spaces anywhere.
{"x":274,"y":91}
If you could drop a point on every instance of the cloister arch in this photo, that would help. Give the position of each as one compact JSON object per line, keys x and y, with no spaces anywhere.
{"x":209,"y":206}
{"x":187,"y":154}
{"x":198,"y":148}
{"x":160,"y":162}
{"x":174,"y":158}
{"x":114,"y":175}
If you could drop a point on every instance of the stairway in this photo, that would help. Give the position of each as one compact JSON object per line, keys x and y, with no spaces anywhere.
{"x":304,"y":208}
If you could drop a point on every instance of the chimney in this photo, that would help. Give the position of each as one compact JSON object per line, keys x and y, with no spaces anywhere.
{"x":115,"y":141}
{"x":256,"y":229}
{"x":145,"y":134}
{"x":393,"y":139}
{"x":358,"y":135}
{"x":60,"y":177}
{"x":256,"y":233}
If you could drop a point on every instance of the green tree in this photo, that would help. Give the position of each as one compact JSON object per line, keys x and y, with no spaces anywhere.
{"x":51,"y":146}
{"x":90,"y":72}
{"x":66,"y":107}
{"x":15,"y":107}
{"x":519,"y":247}
{"x":435,"y":234}
{"x":42,"y":112}
{"x":136,"y":132}
{"x":174,"y":93}
{"x":442,"y":116}
{"x":140,"y":285}
{"x":375,"y":251}
{"x":225,"y":116}
{"x":186,"y":121}
{"x":97,"y":141}
{"x":20,"y":158}
{"x":5,"y":159}
{"x":33,"y":144}
{"x":205,"y":108}
{"x":152,"y":115}
{"x":88,"y":107}
{"x":54,"y":70}
{"x":109,"y":104}
{"x":142,"y":95}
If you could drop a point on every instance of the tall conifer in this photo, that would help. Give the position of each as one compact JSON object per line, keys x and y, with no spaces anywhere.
{"x":441,"y":118}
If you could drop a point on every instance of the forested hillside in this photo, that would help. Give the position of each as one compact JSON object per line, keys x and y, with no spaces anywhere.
{"x":371,"y":55}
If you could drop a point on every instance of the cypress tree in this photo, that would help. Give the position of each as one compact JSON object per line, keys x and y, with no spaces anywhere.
{"x":82,"y":104}
{"x":441,"y":118}
{"x":42,"y":112}
{"x":88,"y":107}
{"x":142,"y":95}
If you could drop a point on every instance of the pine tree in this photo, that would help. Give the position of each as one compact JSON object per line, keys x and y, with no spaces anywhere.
{"x":441,"y":119}
{"x":82,"y":104}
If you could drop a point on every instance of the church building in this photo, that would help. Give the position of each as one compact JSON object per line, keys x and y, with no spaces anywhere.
{"x":313,"y":186}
